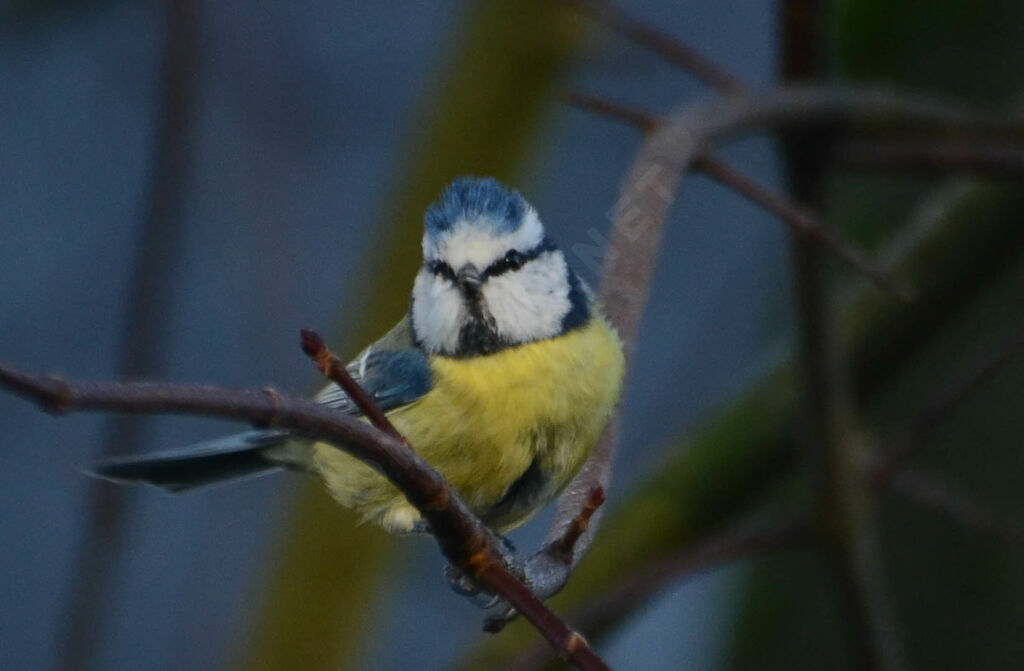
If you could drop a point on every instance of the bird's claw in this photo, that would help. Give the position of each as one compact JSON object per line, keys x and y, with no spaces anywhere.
{"x":465,"y":586}
{"x":479,"y":595}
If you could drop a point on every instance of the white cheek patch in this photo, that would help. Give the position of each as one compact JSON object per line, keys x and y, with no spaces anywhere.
{"x":438,"y":312}
{"x":471,"y":242}
{"x":530,"y":303}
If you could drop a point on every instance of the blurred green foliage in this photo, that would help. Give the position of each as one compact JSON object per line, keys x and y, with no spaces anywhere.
{"x":962,"y":48}
{"x":957,"y":593}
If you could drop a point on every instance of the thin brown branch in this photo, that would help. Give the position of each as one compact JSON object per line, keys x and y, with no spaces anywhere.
{"x":798,"y":218}
{"x":463,"y":538}
{"x":640,"y":119}
{"x":564,"y":547}
{"x":634,"y":589}
{"x":672,"y":50}
{"x":840,"y":108}
{"x":914,"y":437}
{"x":801,"y":221}
{"x":990,"y":158}
{"x":940,"y":497}
{"x":603,"y":610}
{"x":331,"y":367}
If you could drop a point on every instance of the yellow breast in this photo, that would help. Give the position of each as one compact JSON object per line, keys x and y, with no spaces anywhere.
{"x":488,"y":418}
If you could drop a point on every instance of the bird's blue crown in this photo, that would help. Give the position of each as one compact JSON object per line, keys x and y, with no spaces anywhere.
{"x":482,"y":200}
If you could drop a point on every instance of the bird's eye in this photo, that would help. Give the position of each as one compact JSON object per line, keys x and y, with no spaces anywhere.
{"x":514,"y":260}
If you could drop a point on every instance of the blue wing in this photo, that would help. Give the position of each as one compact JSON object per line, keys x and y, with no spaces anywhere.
{"x":392,"y":370}
{"x":392,"y":378}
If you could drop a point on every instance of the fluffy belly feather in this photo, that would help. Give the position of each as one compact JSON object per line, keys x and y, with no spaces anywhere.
{"x":535,"y":409}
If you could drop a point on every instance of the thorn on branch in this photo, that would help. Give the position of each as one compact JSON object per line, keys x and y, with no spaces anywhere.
{"x":58,"y":399}
{"x":275,"y":402}
{"x":575,"y":642}
{"x":477,"y":563}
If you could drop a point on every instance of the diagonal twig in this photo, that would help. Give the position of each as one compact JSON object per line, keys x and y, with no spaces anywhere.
{"x":331,"y":367}
{"x":798,"y":218}
{"x":931,"y":493}
{"x":462,"y":537}
{"x":914,"y":437}
{"x":803,"y":222}
{"x":666,"y":46}
{"x":640,"y":119}
{"x":563,"y":548}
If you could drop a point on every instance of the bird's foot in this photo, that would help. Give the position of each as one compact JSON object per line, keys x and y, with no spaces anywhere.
{"x":478,"y":594}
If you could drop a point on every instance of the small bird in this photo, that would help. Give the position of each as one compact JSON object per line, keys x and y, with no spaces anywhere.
{"x":502,"y":375}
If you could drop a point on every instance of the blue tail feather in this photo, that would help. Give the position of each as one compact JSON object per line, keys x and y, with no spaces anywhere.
{"x":208,"y":463}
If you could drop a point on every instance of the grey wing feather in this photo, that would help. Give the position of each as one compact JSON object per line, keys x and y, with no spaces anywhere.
{"x":392,"y":370}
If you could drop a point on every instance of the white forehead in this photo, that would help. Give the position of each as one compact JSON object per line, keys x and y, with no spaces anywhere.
{"x":481,"y":242}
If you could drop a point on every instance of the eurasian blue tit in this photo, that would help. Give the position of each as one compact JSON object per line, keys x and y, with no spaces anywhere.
{"x":502,"y":375}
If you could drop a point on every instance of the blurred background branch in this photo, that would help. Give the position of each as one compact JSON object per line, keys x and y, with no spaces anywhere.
{"x":600,"y":612}
{"x":102,"y":544}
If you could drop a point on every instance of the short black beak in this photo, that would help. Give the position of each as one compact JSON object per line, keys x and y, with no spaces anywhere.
{"x":469,"y":279}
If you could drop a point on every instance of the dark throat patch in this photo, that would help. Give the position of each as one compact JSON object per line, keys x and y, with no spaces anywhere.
{"x":479,"y":335}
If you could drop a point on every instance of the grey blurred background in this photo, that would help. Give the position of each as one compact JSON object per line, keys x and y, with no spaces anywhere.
{"x":306,"y":116}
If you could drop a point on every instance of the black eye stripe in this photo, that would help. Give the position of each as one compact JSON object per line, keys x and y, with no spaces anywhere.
{"x":515,"y":259}
{"x":441,"y":268}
